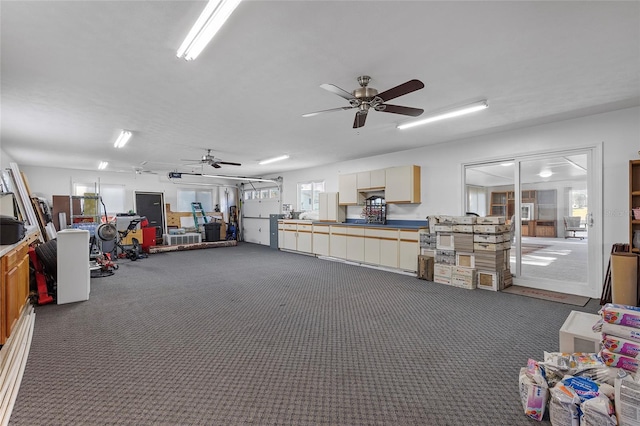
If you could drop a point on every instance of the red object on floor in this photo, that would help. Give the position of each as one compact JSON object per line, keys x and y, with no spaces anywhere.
{"x":43,"y":293}
{"x":148,"y":238}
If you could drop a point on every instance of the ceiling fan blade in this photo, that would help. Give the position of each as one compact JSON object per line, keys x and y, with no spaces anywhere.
{"x":402,"y":89}
{"x":397,"y":109}
{"x":359,"y":120}
{"x":338,"y":91}
{"x":229,"y":164}
{"x":311,"y":114}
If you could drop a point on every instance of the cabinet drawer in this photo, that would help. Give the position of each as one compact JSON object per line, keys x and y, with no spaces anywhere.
{"x":12,"y":258}
{"x":355,"y":231}
{"x":387,"y":234}
{"x":304,"y":227}
{"x":290,"y":227}
{"x":320,"y":229}
{"x":406,"y":235}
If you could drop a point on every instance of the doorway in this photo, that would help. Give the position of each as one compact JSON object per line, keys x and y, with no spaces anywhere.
{"x":151,"y":205}
{"x":537,"y":195}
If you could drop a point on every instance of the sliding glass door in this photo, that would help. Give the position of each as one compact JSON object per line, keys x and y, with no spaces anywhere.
{"x":550,"y":202}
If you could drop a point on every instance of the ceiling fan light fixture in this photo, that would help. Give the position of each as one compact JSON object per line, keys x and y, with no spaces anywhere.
{"x":214,"y":15}
{"x":545,"y":173}
{"x":123,"y":138}
{"x":467,"y":109}
{"x":273,"y":160}
{"x":103,"y":165}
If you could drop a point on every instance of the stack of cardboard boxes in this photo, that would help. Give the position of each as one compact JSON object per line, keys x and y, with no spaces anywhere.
{"x":470,"y":252}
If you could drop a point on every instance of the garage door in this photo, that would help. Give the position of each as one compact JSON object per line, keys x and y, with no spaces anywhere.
{"x":255,"y":219}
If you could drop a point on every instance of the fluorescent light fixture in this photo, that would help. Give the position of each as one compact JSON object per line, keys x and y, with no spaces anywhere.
{"x":545,"y":173}
{"x":123,"y":138}
{"x":214,"y":15}
{"x":477,"y":106}
{"x":103,"y":165}
{"x":273,"y":160}
{"x":240,"y":178}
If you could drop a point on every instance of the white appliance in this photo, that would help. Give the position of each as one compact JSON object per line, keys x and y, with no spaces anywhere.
{"x":74,"y":276}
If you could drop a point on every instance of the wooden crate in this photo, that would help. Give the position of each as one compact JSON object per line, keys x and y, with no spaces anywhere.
{"x":491,"y":220}
{"x":488,"y":280}
{"x":442,"y":270}
{"x":467,"y":260}
{"x":490,"y":229}
{"x":490,"y":238}
{"x":425,"y":267}
{"x":444,"y":241}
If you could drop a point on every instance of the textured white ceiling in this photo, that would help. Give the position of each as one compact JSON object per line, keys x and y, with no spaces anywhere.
{"x":74,"y":73}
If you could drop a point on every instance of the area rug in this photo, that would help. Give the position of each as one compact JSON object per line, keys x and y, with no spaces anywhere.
{"x":530,"y":248}
{"x":553,"y":296}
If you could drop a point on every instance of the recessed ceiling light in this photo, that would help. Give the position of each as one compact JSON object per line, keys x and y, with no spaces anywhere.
{"x":273,"y":160}
{"x":103,"y":165}
{"x":545,"y":173}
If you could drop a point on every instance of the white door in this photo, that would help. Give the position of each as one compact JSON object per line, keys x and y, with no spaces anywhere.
{"x":255,"y":219}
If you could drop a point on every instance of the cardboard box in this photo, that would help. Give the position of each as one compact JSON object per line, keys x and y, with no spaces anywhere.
{"x":490,"y":246}
{"x":490,"y":229}
{"x":491,"y":220}
{"x":490,"y":238}
{"x":488,"y":280}
{"x":464,"y":220}
{"x":467,"y":260}
{"x":442,"y":280}
{"x":463,"y":282}
{"x":462,"y":228}
{"x":425,"y":267}
{"x":445,"y":241}
{"x":442,"y":270}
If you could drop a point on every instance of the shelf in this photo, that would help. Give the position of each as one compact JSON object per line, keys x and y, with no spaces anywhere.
{"x":634,"y":193}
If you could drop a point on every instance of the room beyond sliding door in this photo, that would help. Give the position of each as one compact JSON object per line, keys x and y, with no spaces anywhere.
{"x":551,"y":203}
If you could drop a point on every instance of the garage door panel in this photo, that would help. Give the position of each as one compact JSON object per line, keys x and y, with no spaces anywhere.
{"x":256,"y":231}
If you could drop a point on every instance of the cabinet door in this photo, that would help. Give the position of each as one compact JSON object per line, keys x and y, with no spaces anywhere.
{"x":290,"y":239}
{"x":338,"y":242}
{"x":402,"y":184}
{"x":320,"y":243}
{"x":11,"y":297}
{"x":409,"y":250}
{"x":378,"y":178}
{"x":363,"y":180}
{"x":371,"y":247}
{"x":355,"y":244}
{"x":305,"y":238}
{"x":348,"y":189}
{"x":389,"y":252}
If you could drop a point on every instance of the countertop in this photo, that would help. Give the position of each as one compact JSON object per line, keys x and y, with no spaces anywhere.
{"x":7,"y":248}
{"x":393,"y":224}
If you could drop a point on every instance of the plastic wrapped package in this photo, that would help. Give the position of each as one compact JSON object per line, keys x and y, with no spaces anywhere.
{"x":534,"y":390}
{"x":630,"y":333}
{"x":622,"y":346}
{"x":627,"y":399}
{"x":625,"y":315}
{"x":598,"y":411}
{"x":579,"y":401}
{"x":620,"y":361}
{"x":563,"y":406}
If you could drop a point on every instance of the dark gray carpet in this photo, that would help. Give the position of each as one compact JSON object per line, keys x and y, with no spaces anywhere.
{"x":249,"y":335}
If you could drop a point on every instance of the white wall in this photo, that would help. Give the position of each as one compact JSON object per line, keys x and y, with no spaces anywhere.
{"x":441,"y":165}
{"x":48,"y":181}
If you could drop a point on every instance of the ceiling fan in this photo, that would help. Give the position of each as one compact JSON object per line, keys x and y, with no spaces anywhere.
{"x":365,"y":98}
{"x":212,"y":161}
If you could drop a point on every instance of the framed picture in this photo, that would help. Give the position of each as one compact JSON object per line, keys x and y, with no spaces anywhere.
{"x":527,"y":211}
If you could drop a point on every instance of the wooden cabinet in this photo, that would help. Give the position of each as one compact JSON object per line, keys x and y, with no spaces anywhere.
{"x":634,"y":201}
{"x":14,"y":287}
{"x":499,"y":203}
{"x":348,"y":189}
{"x":330,"y":209}
{"x":402,"y":184}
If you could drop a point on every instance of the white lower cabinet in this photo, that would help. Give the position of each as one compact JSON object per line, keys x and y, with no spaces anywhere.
{"x":295,"y":236}
{"x":409,"y":250}
{"x":338,"y":242}
{"x":355,"y":243}
{"x":381,"y":246}
{"x":321,"y":240}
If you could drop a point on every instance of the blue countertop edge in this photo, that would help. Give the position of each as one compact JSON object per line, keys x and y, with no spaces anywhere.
{"x":406,"y":224}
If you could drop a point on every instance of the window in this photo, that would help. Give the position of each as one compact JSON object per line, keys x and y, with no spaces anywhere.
{"x":262,"y":193}
{"x":477,"y":200}
{"x":207,"y":197}
{"x":113,"y":196}
{"x":309,"y":195}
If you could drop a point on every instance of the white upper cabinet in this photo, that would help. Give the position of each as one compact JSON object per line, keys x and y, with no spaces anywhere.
{"x":348,"y":189}
{"x":373,"y":179}
{"x":330,"y":210}
{"x":402,"y":184}
{"x":378,"y":178}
